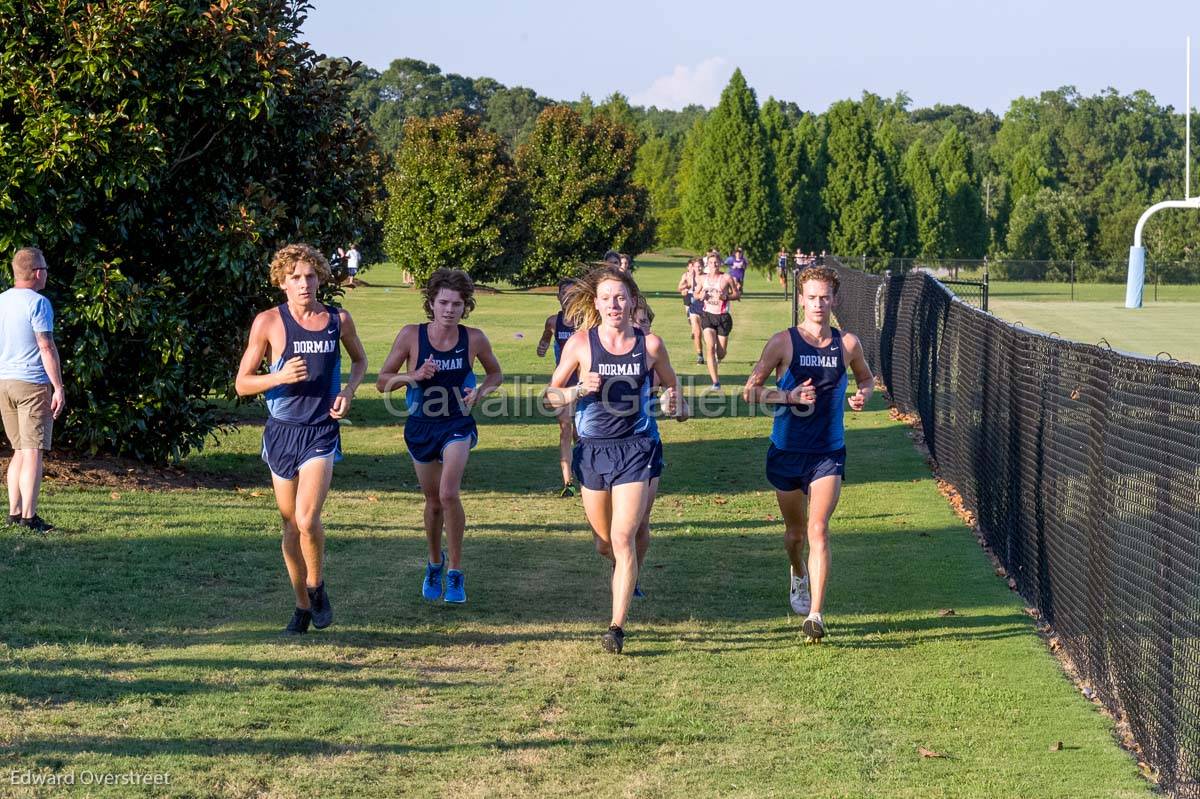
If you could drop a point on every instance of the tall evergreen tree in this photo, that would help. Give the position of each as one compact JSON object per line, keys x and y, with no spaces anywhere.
{"x":929,"y":201}
{"x":812,"y":220}
{"x":789,"y":163}
{"x":968,"y":227}
{"x":657,"y":168}
{"x":731,"y":198}
{"x":901,"y":206}
{"x":683,"y":175}
{"x":856,"y":193}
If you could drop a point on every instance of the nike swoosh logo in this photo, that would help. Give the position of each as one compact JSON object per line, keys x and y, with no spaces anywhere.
{"x":456,"y":352}
{"x":833,"y":349}
{"x":636,"y":355}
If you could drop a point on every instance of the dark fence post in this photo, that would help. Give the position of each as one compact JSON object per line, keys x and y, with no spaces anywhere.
{"x":795,"y":297}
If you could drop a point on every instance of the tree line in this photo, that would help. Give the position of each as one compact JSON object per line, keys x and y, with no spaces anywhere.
{"x":1061,"y":177}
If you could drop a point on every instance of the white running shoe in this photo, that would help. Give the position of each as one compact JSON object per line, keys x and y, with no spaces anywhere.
{"x":798,"y":597}
{"x":814,"y":628}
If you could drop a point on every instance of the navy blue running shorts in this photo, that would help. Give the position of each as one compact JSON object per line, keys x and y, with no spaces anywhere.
{"x":287,"y":447}
{"x":788,"y":471}
{"x":656,"y":460}
{"x":427,"y":439}
{"x":601,"y":463}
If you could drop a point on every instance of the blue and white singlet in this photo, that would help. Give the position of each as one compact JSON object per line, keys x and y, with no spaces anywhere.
{"x":620,"y":407}
{"x":820,"y":427}
{"x":440,"y":397}
{"x":308,"y":402}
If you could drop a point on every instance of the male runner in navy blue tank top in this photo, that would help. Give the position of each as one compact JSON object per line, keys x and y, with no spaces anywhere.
{"x":440,"y":431}
{"x":556,"y":332}
{"x":807,"y":457}
{"x":301,"y":439}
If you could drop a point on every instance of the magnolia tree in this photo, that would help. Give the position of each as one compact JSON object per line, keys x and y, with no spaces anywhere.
{"x":158,"y":152}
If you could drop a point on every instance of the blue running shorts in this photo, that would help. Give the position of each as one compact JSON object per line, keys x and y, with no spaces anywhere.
{"x":601,"y":463}
{"x":788,"y":471}
{"x":287,"y":447}
{"x":656,"y":459}
{"x":427,"y":439}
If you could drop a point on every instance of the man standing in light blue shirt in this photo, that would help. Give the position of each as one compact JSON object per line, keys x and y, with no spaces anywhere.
{"x":31,"y":386}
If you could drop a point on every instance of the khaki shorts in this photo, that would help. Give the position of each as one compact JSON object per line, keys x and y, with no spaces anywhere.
{"x":25,"y":409}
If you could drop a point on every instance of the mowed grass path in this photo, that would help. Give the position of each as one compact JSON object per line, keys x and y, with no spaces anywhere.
{"x":143,"y":637}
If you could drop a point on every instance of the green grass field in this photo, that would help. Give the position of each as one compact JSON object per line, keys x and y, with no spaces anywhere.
{"x":1169,"y":324}
{"x":144,"y":635}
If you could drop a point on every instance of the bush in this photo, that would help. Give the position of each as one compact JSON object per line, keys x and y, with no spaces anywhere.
{"x":582,"y":197}
{"x":158,"y":152}
{"x":454,"y":200}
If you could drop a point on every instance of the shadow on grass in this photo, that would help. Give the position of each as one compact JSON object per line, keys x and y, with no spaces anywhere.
{"x":41,"y":749}
{"x":166,"y":591}
{"x":711,"y":466}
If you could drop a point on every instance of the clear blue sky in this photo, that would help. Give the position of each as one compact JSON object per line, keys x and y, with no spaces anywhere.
{"x":670,"y":52}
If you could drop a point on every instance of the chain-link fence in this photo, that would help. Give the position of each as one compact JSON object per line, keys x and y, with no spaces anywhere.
{"x":1082,"y":467}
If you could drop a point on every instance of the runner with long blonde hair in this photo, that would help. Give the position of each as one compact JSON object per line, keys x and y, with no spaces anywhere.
{"x":616,"y":363}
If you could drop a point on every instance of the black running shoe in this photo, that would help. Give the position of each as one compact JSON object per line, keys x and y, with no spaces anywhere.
{"x":613,"y":639}
{"x":322,"y":610}
{"x":299,"y":623}
{"x":14,"y":518}
{"x":37,"y":524}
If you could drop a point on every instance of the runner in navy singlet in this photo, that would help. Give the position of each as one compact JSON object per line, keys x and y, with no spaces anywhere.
{"x":556,"y":332}
{"x":807,"y":457}
{"x":305,"y":400}
{"x":440,"y":431}
{"x":615,"y":455}
{"x":688,"y":284}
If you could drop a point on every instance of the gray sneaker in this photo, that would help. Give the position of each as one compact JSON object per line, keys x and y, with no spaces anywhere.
{"x":799,"y":597}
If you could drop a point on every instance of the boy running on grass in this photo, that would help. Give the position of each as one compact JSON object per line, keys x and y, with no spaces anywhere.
{"x":557,"y":331}
{"x":807,"y":457}
{"x":301,"y":439}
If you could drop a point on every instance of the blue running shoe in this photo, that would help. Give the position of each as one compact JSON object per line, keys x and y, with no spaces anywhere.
{"x":456,"y":587}
{"x":431,"y":587}
{"x":637,"y":590}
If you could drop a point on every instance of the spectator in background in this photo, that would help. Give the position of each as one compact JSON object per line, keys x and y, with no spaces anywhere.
{"x":353,"y":256}
{"x":625,"y":263}
{"x":31,"y":386}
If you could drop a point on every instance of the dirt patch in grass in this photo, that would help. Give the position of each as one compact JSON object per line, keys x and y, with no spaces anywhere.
{"x":63,"y":469}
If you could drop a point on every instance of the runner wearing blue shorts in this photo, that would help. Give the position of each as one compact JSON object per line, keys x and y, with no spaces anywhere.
{"x":556,"y":331}
{"x":440,"y":431}
{"x":615,"y":455}
{"x":807,"y":457}
{"x":305,"y":400}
